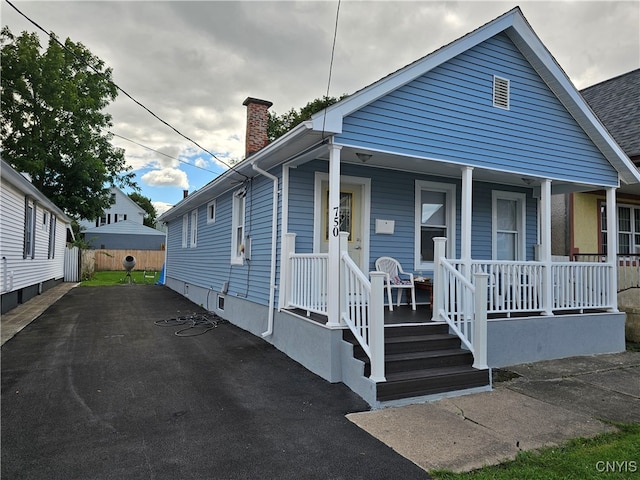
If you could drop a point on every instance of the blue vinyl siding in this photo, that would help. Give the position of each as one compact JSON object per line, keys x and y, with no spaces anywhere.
{"x":448,"y":114}
{"x":208,"y":265}
{"x":393,"y":198}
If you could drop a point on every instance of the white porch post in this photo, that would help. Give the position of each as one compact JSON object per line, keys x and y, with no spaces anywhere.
{"x":465,"y":229}
{"x":612,"y":248}
{"x":376,"y":307}
{"x":480,"y":322}
{"x":333,"y":222}
{"x":545,"y":246}
{"x":288,"y":247}
{"x":438,"y":299}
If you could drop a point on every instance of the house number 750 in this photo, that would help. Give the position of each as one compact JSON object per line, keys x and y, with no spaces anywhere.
{"x":336,"y":221}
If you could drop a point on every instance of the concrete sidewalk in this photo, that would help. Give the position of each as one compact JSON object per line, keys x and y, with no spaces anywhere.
{"x":547,"y":403}
{"x":16,"y":319}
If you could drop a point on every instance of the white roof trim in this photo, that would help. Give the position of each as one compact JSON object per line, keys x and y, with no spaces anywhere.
{"x":515,"y":25}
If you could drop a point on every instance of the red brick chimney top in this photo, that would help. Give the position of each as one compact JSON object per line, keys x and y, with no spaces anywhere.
{"x":257,"y":120}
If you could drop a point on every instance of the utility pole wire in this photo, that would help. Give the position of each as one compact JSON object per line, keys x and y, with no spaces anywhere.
{"x":98,"y":72}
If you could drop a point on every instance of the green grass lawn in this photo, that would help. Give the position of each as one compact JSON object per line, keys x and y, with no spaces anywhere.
{"x":608,"y":456}
{"x":101,"y":279}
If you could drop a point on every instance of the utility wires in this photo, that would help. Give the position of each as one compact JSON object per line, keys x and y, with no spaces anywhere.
{"x":333,"y":49}
{"x":98,"y":72}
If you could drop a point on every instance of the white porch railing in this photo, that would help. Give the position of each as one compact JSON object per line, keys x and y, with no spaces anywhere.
{"x":308,"y":282}
{"x":462,"y":304}
{"x":362,"y":308}
{"x":581,"y":285}
{"x":628,"y":267}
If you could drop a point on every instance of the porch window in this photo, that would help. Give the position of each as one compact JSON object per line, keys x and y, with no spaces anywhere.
{"x":185,"y":230}
{"x":435,"y":217}
{"x":194,"y":229}
{"x":628,"y":228}
{"x":237,"y":228}
{"x":345,"y":214}
{"x":508,"y":234}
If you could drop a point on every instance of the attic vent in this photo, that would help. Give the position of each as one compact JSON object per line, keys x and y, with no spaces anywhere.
{"x":500,"y":92}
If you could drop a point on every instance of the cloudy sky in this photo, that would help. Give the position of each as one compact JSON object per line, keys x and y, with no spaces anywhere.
{"x":193,"y":63}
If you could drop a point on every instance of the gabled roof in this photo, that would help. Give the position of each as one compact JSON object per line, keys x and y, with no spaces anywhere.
{"x":616,"y":102}
{"x":515,"y":26}
{"x":11,"y":176}
{"x":308,"y":135}
{"x":128,"y":227}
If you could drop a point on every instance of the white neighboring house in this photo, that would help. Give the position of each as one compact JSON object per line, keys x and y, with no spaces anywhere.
{"x":122,"y":209}
{"x":33,"y":235}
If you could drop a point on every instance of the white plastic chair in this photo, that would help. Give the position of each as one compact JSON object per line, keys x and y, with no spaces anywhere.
{"x":394,"y":279}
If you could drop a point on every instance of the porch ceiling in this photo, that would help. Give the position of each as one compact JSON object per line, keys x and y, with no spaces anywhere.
{"x":450,"y":170}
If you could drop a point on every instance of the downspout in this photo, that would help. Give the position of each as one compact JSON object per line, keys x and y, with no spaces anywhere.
{"x":274,"y":237}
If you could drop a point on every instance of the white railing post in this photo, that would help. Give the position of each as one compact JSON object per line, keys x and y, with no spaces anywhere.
{"x":376,"y":326}
{"x":480,"y":322}
{"x":342,"y":289}
{"x":612,"y":248}
{"x":288,"y":248}
{"x":438,"y":253}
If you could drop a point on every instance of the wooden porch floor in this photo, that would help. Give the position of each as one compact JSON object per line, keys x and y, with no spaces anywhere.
{"x":402,"y":315}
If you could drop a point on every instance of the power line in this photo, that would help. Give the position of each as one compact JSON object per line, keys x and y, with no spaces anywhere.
{"x":98,"y":72}
{"x":333,"y":49}
{"x":162,"y":153}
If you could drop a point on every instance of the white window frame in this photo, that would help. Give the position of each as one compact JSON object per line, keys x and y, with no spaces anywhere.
{"x":194,"y":229}
{"x":237,"y":227}
{"x":52,"y":236}
{"x":449,"y":189}
{"x":634,"y":246}
{"x":29,"y":240}
{"x":211,"y":212}
{"x":185,"y":230}
{"x":521,"y":199}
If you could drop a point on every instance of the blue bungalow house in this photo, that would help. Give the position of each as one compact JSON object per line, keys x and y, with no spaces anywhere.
{"x":446,"y":165}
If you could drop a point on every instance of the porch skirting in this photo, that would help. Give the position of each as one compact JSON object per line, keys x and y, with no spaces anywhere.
{"x":512,"y":341}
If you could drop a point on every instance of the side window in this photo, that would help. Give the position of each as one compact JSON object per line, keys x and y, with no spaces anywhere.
{"x":29,"y":228}
{"x":185,"y":230}
{"x":237,"y":228}
{"x":211,"y":212}
{"x":508,"y":225}
{"x":435,"y":217}
{"x":52,"y":237}
{"x":194,"y":229}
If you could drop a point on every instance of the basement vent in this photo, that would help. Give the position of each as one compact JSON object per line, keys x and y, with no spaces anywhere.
{"x":500,"y":92}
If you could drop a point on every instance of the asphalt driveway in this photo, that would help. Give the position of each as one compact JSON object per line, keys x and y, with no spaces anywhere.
{"x":94,"y":389}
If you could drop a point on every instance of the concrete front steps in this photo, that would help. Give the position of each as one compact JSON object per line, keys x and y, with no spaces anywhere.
{"x":422,"y":360}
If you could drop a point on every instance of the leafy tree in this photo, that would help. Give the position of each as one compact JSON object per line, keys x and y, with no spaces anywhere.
{"x":278,"y":125}
{"x":52,"y":124}
{"x":145,"y":202}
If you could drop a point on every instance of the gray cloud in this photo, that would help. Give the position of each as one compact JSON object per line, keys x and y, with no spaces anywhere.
{"x":193,"y":63}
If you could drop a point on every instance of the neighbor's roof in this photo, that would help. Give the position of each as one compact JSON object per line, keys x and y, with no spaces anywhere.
{"x":127,"y":227}
{"x":617,"y":103}
{"x":13,"y":177}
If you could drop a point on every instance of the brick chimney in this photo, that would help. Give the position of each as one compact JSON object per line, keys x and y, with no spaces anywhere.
{"x":257,"y":119}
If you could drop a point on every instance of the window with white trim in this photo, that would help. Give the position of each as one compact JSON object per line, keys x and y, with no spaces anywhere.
{"x":628,"y":228}
{"x":435,"y":216}
{"x":211,"y":211}
{"x":194,"y":229}
{"x":52,"y":237}
{"x":29,"y":249}
{"x":185,"y":230}
{"x":508,"y":225}
{"x":237,"y":228}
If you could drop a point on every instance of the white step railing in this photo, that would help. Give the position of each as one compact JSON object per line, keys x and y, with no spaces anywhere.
{"x":461,"y":304}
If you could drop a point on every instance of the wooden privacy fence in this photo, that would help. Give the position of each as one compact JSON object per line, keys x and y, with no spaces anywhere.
{"x":106,"y":259}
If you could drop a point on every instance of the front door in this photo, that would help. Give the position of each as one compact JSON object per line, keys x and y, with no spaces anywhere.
{"x":351,"y":219}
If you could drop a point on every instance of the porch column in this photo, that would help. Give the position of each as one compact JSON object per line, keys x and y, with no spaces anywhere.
{"x":545,"y":246}
{"x":333,"y":221}
{"x":612,"y":248}
{"x":465,"y":228}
